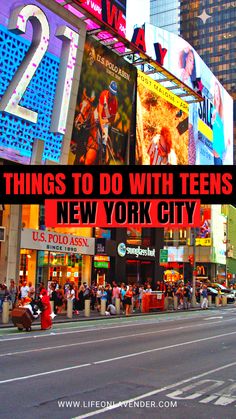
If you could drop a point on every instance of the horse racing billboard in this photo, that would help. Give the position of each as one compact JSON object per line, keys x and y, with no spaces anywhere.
{"x":101,"y":132}
{"x":162,"y":125}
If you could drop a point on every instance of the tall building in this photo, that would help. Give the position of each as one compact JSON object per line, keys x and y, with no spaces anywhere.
{"x":209,"y":26}
{"x":165,"y":14}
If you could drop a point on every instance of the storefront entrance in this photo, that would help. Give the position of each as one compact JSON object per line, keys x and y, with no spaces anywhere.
{"x":139,"y":271}
{"x":53,"y":257}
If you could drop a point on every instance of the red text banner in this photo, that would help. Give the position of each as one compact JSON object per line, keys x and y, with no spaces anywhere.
{"x":122,"y":213}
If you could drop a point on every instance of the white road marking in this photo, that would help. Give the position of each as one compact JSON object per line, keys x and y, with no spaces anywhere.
{"x":199,"y":387}
{"x":164,"y":348}
{"x":111,"y":325}
{"x":47,"y":348}
{"x":224,"y":401}
{"x":208,"y":399}
{"x":213,"y":318}
{"x":152,"y":393}
{"x":57,"y":332}
{"x":120,"y":357}
{"x":40,"y":374}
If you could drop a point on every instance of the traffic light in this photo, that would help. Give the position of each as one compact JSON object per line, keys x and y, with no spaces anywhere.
{"x":191,"y":260}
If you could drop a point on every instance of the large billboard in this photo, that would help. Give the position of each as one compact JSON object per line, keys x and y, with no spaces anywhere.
{"x":111,"y":12}
{"x":103,"y":113}
{"x":210,"y":121}
{"x":38,"y":53}
{"x":219,"y":235}
{"x":161,"y":126}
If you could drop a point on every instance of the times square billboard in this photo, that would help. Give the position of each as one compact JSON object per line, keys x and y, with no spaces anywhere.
{"x":210,"y":121}
{"x":110,"y":12}
{"x":162,"y":136}
{"x":103,"y":115}
{"x":38,"y":57}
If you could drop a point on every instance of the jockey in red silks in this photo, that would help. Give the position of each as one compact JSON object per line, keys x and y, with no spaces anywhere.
{"x":107,"y":109}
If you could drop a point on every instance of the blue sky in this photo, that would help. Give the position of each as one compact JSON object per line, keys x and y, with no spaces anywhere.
{"x":137,"y":12}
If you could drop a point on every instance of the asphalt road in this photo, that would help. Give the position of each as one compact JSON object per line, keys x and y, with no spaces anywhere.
{"x":161,"y":366}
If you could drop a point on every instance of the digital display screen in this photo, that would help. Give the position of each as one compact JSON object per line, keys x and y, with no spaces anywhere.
{"x":34,"y":103}
{"x":210,"y":121}
{"x":162,"y":125}
{"x":102,"y":123}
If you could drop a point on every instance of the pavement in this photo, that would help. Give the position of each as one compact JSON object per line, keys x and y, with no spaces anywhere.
{"x":167,"y":366}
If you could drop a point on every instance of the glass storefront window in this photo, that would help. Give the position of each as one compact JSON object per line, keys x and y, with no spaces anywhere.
{"x":134,"y":235}
{"x":44,"y":266}
{"x":140,"y":236}
{"x":59,"y":267}
{"x":139,"y":272}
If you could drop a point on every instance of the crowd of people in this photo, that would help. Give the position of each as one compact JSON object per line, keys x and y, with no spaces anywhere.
{"x":130,"y":296}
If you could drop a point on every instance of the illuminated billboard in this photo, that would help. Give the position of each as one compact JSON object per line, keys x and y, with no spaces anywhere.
{"x":38,"y":53}
{"x":102,"y":122}
{"x":210,"y":121}
{"x":175,"y":254}
{"x":161,"y":125}
{"x":219,"y":235}
{"x":111,"y":12}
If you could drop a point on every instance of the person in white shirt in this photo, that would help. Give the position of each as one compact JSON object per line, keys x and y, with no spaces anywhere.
{"x":24,"y":291}
{"x":111,"y":310}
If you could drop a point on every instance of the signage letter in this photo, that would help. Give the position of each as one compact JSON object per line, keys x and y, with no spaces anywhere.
{"x":138,"y":39}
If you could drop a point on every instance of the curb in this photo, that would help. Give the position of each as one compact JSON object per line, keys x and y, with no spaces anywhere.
{"x":119,"y":316}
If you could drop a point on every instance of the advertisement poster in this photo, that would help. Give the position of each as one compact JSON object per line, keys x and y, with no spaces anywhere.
{"x":210,"y":121}
{"x":34,"y":101}
{"x":112,"y":239}
{"x":101,"y":129}
{"x":162,"y":125}
{"x":219,"y":235}
{"x":112,"y":12}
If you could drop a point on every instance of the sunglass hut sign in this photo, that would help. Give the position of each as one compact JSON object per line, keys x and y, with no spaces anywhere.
{"x":136,"y":252}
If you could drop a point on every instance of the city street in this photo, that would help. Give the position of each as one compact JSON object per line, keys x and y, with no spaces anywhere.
{"x":161,"y":366}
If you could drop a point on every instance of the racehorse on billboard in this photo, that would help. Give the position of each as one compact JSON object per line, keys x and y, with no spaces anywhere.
{"x":87,"y":145}
{"x":103,"y":113}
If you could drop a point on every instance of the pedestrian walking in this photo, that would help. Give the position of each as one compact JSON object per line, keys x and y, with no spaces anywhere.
{"x":59,"y":299}
{"x":128,"y":300}
{"x":170,"y":298}
{"x":115,"y":293}
{"x":13,"y":292}
{"x":179,"y":294}
{"x":24,"y":290}
{"x":31,"y":293}
{"x":80,"y":304}
{"x":204,"y":294}
{"x":186,"y":297}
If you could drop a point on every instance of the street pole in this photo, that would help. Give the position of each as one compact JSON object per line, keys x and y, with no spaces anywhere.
{"x":193,"y":235}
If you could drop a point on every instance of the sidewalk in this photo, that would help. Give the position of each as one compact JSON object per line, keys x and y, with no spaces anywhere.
{"x":94,"y":315}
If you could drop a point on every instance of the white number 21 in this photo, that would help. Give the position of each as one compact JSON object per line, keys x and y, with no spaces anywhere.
{"x":39,"y":45}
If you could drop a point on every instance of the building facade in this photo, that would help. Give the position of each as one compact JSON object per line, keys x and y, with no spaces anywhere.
{"x":166,"y":14}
